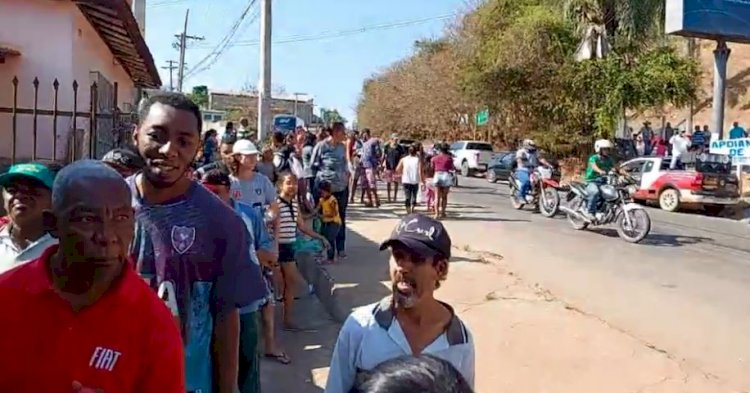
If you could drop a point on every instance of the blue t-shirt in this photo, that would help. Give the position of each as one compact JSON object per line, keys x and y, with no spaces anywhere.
{"x":253,"y":219}
{"x":328,"y":162}
{"x":198,"y":247}
{"x":258,"y":191}
{"x":370,"y":158}
{"x":737,"y":133}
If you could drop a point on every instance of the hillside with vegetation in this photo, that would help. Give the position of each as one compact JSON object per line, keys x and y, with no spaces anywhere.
{"x":517,"y":59}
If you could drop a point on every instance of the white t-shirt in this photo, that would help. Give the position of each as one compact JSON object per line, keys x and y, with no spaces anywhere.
{"x":410,"y":170}
{"x":11,"y":256}
{"x":680,"y":145}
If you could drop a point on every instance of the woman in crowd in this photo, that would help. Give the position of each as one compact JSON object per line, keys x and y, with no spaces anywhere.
{"x":410,"y":169}
{"x":210,"y":146}
{"x":443,"y":179}
{"x":328,"y":163}
{"x":265,"y":165}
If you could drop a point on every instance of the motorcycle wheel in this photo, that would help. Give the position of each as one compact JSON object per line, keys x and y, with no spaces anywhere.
{"x":642,"y":222}
{"x":552,"y":205}
{"x":575,"y":222}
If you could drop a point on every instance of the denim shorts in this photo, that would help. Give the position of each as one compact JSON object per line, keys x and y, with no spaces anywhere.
{"x":286,"y":253}
{"x":443,"y":179}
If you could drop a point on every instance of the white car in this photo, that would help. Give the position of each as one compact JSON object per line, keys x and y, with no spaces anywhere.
{"x":471,"y":156}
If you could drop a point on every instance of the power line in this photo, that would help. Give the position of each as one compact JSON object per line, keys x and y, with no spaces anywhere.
{"x":344,"y":33}
{"x":165,"y":3}
{"x":219,"y":49}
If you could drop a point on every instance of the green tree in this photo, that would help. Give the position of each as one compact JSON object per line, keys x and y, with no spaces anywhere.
{"x":330,"y":116}
{"x":199,"y":95}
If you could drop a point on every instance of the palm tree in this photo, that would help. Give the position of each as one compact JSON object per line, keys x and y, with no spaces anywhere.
{"x":631,"y":25}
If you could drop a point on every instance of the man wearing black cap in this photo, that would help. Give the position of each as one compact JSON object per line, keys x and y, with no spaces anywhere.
{"x":410,"y":321}
{"x":125,"y":161}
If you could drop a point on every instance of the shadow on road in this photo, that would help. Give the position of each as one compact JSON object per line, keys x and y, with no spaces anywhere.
{"x":358,"y":281}
{"x":658,"y":239}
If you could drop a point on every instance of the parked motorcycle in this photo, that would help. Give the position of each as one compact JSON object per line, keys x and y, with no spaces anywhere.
{"x":631,"y":220}
{"x":543,"y":195}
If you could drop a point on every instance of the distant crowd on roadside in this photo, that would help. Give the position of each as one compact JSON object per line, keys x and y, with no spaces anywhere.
{"x":682,"y":145}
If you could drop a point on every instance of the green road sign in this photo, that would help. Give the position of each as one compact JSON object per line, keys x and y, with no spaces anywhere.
{"x":482,"y":117}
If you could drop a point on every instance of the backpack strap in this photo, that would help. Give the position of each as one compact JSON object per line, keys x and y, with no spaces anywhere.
{"x":455,"y":333}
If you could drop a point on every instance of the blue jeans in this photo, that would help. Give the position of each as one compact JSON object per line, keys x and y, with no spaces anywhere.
{"x":342,"y":198}
{"x":524,"y":177}
{"x":330,"y":230}
{"x":594,"y":194}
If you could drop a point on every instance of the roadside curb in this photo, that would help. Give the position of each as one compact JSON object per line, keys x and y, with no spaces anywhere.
{"x":323,"y":285}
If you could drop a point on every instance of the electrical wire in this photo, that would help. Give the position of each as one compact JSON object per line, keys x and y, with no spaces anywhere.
{"x":345,"y":33}
{"x":165,"y":3}
{"x":225,"y":42}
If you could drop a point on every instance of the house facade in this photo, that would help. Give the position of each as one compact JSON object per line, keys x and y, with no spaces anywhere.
{"x":94,"y":44}
{"x":247,"y":104}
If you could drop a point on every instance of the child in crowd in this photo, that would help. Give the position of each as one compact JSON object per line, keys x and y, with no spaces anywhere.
{"x":428,"y":188}
{"x":289,"y":222}
{"x":329,"y":211}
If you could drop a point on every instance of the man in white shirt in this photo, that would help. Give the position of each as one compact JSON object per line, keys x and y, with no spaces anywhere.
{"x":410,"y":321}
{"x":680,"y":144}
{"x":26,"y":194}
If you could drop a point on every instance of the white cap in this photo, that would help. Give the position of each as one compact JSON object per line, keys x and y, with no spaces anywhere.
{"x":245,"y":147}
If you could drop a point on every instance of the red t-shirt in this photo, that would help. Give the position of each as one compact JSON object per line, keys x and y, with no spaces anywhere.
{"x":443,"y":163}
{"x":125,"y":342}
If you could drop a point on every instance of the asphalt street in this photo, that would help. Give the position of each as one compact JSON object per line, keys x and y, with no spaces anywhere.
{"x":683,"y":291}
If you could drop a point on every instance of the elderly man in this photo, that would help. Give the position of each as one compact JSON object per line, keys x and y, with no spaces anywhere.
{"x":410,"y":321}
{"x":26,"y":194}
{"x":78,"y":318}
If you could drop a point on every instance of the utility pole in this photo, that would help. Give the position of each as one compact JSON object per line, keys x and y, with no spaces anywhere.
{"x":171,"y":67}
{"x":264,"y":86}
{"x":691,"y":113}
{"x":183,"y":43}
{"x":296,"y":99}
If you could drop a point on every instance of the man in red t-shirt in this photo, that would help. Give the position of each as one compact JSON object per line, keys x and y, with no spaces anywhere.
{"x":79,"y":319}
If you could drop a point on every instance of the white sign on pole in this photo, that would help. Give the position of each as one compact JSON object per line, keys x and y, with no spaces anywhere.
{"x":739,"y":147}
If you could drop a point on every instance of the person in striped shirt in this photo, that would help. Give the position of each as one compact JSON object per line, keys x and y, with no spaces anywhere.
{"x":289,"y":223}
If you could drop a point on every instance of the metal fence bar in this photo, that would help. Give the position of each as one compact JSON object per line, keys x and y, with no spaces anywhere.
{"x":15,"y":119}
{"x":102,"y":116}
{"x":56,"y":88}
{"x":75,"y":120}
{"x":35,"y":118}
{"x":92,"y":121}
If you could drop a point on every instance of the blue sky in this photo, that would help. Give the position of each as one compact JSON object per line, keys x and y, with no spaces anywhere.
{"x":330,"y":69}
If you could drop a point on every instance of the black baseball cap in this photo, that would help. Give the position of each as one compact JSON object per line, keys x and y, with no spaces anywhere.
{"x":424,"y":235}
{"x":125,"y":158}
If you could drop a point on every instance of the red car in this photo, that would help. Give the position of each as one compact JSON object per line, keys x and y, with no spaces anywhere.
{"x":711,"y":185}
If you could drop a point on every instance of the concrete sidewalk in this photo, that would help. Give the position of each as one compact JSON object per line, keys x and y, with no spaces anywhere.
{"x":527,"y":340}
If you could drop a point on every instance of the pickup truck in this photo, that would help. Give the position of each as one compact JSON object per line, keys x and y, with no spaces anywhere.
{"x":471,"y":156}
{"x":710,"y":185}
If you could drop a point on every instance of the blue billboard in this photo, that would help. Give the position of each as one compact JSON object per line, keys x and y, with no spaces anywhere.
{"x":709,"y":19}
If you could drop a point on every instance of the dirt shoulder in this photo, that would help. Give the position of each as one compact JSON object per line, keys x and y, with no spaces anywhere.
{"x":527,"y":340}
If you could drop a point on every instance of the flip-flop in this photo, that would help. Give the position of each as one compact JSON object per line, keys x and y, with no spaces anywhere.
{"x":280,"y":357}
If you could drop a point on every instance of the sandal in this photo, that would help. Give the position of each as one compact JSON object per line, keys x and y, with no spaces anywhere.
{"x":280,"y":357}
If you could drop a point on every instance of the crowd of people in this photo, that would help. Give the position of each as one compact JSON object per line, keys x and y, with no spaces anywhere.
{"x":681,"y":145}
{"x":159,"y":268}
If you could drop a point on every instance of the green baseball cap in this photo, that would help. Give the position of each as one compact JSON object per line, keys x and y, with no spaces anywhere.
{"x":32,"y":170}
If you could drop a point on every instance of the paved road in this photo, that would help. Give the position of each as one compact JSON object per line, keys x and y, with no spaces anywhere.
{"x":684,"y":290}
